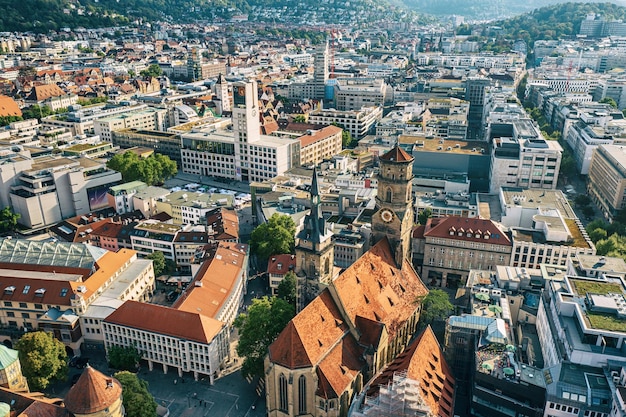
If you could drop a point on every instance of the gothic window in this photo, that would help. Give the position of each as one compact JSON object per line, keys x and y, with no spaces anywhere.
{"x":388,"y":195}
{"x":327,"y":267}
{"x":302,"y":395}
{"x":282,"y":392}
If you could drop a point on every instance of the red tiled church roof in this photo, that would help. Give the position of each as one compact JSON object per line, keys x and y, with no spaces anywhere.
{"x":463,"y":228}
{"x":397,"y":155}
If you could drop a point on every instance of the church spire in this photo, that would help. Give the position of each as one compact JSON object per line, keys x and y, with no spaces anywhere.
{"x":316,"y":224}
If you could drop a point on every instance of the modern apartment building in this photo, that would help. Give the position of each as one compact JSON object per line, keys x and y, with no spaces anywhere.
{"x":525,"y":159}
{"x":120,"y":197}
{"x":358,"y":122}
{"x":356,"y":93}
{"x":607,"y":179}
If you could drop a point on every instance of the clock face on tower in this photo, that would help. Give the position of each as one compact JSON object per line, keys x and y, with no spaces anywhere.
{"x":386,"y":215}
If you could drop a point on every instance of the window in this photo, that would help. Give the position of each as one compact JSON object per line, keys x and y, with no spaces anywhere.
{"x":282,"y":392}
{"x":23,"y":305}
{"x":302,"y":394}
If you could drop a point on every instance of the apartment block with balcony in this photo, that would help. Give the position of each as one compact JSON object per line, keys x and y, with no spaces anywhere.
{"x":358,"y":122}
{"x":145,"y":119}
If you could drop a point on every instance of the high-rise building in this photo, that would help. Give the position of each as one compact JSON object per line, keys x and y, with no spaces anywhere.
{"x":320,"y":71}
{"x":607,"y":179}
{"x":475,"y":89}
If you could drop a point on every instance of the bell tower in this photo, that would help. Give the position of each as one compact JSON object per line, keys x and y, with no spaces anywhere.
{"x":394,"y":202}
{"x":315,"y":252}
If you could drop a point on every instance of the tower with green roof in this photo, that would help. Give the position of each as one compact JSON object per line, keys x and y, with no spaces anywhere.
{"x":11,"y":371}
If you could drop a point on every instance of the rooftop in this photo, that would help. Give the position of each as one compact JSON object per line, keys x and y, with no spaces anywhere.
{"x":432,"y":144}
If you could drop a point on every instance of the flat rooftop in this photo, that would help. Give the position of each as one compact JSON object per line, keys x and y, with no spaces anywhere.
{"x":533,"y":198}
{"x":430,"y":144}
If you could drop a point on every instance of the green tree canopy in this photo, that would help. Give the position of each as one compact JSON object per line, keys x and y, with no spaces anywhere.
{"x":136,"y":398}
{"x":124,"y":357}
{"x":346,"y":139}
{"x":435,"y":306}
{"x":152,"y":170}
{"x":158,"y":262}
{"x":8,"y":220}
{"x":258,"y":328}
{"x":154,"y":70}
{"x":43,"y":359}
{"x":36,"y":112}
{"x":287,"y":288}
{"x":275,"y":237}
{"x":424,"y":215}
{"x":608,"y":100}
{"x":299,"y":118}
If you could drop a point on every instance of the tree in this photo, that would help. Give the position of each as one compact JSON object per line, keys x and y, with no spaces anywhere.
{"x":7,"y":120}
{"x":158,"y":262}
{"x":435,"y":306}
{"x":124,"y":357}
{"x":154,"y":70}
{"x":608,"y":100}
{"x":287,"y":288}
{"x":152,"y":170}
{"x":425,"y":214}
{"x":588,"y":211}
{"x":597,"y":234}
{"x":36,"y":112}
{"x":299,"y":118}
{"x":258,"y":328}
{"x":346,"y":139}
{"x":275,"y":237}
{"x":43,"y":359}
{"x":137,"y":400}
{"x":8,"y":220}
{"x":582,"y":200}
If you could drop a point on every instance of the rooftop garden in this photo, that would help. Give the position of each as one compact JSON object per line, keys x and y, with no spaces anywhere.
{"x":583,"y":287}
{"x":606,"y":322}
{"x":577,"y":236}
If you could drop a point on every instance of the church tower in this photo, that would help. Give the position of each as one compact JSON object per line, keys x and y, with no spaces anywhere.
{"x":394,"y":215}
{"x":314,"y":247}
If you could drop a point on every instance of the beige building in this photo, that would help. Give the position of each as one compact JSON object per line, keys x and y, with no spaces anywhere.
{"x":449,"y":247}
{"x":321,"y":144}
{"x":145,"y":119}
{"x":607,"y":179}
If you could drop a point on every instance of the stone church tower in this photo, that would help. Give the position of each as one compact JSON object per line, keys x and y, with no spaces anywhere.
{"x":314,"y":248}
{"x":394,"y":216}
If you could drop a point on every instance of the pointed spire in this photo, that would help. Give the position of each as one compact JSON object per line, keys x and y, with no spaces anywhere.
{"x":220,"y":79}
{"x":315,"y":187}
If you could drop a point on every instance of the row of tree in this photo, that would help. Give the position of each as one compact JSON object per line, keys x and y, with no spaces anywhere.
{"x":152,"y":170}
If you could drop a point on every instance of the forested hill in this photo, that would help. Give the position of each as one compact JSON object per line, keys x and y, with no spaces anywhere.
{"x":484,"y":9}
{"x":45,"y":15}
{"x":557,"y":21}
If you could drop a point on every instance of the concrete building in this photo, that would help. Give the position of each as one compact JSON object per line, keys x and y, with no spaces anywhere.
{"x":607,"y":179}
{"x":584,"y":140}
{"x":356,"y":93}
{"x":54,"y":188}
{"x":475,"y":93}
{"x":358,"y":122}
{"x":191,"y":207}
{"x":200,"y":346}
{"x":165,"y":143}
{"x":242,"y":154}
{"x":146,"y":119}
{"x":277,"y":267}
{"x":145,"y":200}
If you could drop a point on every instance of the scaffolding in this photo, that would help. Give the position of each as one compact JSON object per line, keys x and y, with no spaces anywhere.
{"x":400,"y":397}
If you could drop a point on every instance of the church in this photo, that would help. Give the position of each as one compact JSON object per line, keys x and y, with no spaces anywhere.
{"x":362,"y":319}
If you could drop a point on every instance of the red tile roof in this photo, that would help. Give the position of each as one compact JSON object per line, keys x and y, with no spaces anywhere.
{"x":9,"y":107}
{"x":166,"y":321}
{"x":339,"y":368}
{"x":318,"y":135}
{"x":44,"y":92}
{"x":281,"y":264}
{"x":458,"y":228}
{"x":424,"y":361}
{"x":93,"y":392}
{"x":310,"y":334}
{"x":418,"y":232}
{"x":374,"y":288}
{"x":53,"y":294}
{"x":397,"y":155}
{"x":216,"y":278}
